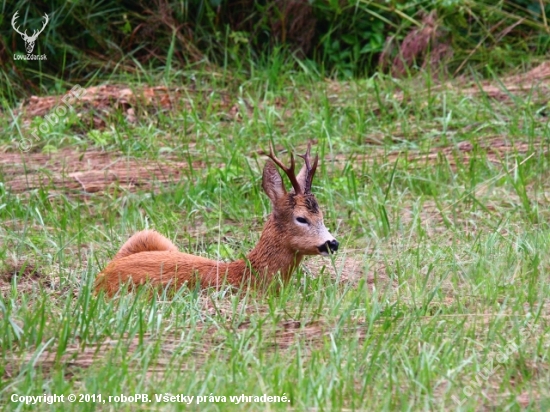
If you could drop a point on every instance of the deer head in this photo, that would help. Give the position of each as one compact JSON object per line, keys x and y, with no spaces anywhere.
{"x":29,"y":40}
{"x":298,"y":219}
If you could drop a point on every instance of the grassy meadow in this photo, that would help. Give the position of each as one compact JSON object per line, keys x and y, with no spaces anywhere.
{"x":438,"y":192}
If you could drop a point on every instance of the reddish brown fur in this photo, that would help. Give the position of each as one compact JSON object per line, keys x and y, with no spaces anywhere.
{"x":148,"y":257}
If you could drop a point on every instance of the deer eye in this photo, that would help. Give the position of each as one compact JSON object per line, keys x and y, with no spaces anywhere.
{"x":302,"y":220}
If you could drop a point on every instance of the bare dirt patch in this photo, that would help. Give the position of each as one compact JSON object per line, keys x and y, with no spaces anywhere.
{"x":106,"y":96}
{"x":88,"y":172}
{"x":24,"y":270}
{"x":25,"y":273}
{"x":496,"y":149}
{"x":96,"y":103}
{"x":81,"y":356}
{"x":105,"y":99}
{"x":536,"y":81}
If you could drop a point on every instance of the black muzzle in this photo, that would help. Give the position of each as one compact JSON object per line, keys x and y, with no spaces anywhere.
{"x":329,"y":247}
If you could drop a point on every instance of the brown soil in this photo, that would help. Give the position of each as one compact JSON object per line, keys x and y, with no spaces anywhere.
{"x":536,"y":80}
{"x":496,"y":149}
{"x":23,"y":270}
{"x":96,"y":103}
{"x":78,"y":355}
{"x":89,"y":172}
{"x":27,"y":276}
{"x":105,"y":99}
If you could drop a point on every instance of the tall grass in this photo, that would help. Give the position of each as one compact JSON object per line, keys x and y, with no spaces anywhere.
{"x":438,"y":298}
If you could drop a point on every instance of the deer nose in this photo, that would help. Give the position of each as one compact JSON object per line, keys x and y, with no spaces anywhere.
{"x":333,"y":245}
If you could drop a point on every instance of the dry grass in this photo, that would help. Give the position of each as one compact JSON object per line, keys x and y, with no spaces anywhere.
{"x":92,"y":171}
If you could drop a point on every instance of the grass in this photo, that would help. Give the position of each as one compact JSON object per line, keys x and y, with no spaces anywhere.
{"x":438,"y":299}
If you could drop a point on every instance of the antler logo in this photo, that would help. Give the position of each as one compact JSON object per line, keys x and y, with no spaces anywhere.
{"x":29,"y":40}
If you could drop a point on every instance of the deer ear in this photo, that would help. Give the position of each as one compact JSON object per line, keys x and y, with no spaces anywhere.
{"x":272,"y":182}
{"x":302,"y":176}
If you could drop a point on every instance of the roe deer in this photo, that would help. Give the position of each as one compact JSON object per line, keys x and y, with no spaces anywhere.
{"x":293,"y":230}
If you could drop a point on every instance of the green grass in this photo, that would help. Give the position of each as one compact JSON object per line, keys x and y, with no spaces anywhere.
{"x":437,"y":195}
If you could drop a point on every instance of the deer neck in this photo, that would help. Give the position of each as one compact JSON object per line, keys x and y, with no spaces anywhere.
{"x":271,"y":255}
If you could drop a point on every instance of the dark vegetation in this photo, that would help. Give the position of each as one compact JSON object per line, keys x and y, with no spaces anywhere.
{"x":88,"y":40}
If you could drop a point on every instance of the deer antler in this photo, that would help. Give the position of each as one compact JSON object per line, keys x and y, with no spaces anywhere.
{"x":288,"y":170}
{"x":310,"y":170}
{"x":35,"y":33}
{"x":14,"y":18}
